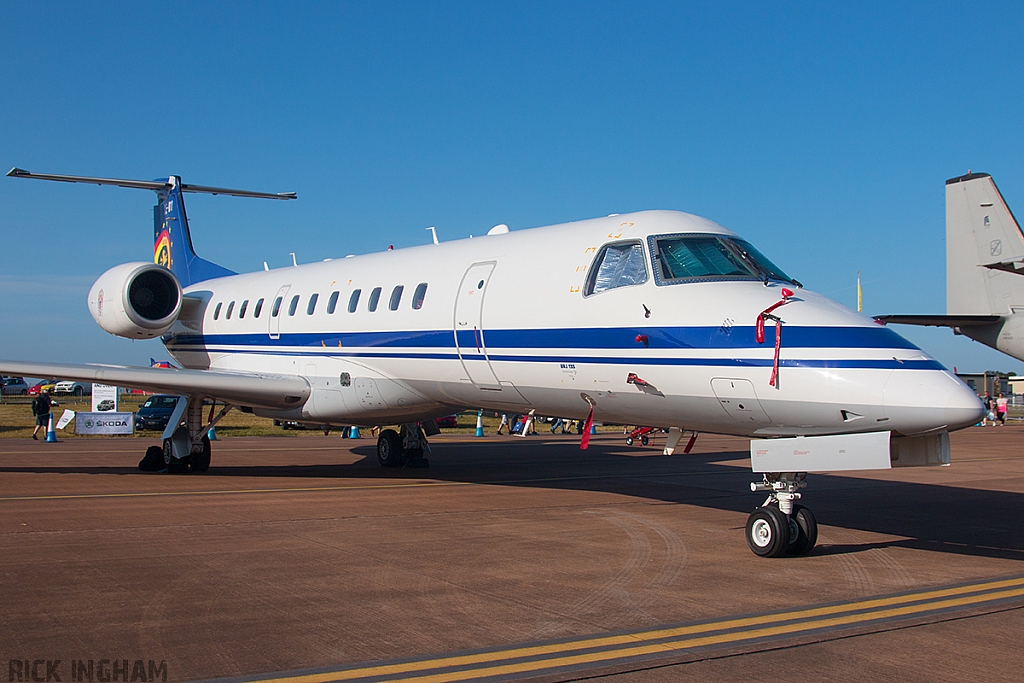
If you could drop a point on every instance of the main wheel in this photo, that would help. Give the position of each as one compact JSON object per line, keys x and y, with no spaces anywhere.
{"x":768,"y":532}
{"x":806,"y":528}
{"x":389,"y":448}
{"x":201,"y":461}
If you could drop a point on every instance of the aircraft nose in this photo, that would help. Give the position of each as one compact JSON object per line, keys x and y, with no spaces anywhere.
{"x":918,"y":401}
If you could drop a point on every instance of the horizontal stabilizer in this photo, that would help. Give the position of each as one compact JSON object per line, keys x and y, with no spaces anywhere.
{"x":940,"y":320}
{"x":155,"y":185}
{"x":250,"y":389}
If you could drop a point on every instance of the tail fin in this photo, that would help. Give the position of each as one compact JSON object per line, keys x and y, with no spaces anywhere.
{"x":984,"y":249}
{"x":172,"y":242}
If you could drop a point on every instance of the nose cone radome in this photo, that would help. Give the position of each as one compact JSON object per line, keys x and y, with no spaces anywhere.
{"x":918,"y":401}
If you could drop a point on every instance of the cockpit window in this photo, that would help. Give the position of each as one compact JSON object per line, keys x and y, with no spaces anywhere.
{"x":617,"y":265}
{"x":704,"y":257}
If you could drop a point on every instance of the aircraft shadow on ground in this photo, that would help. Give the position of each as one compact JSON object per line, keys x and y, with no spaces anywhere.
{"x":935,"y":517}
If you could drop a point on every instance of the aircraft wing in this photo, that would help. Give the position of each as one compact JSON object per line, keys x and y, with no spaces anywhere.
{"x":940,"y":320}
{"x":247,"y":389}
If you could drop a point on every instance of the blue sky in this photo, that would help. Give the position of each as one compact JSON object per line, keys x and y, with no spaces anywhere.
{"x":821,"y":133}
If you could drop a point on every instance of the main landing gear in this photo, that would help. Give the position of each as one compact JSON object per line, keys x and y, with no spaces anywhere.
{"x":781,"y":526}
{"x":403,"y":448}
{"x":186,"y":444}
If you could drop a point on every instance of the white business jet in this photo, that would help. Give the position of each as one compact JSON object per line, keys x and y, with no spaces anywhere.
{"x":653,"y":318}
{"x":984,"y":265}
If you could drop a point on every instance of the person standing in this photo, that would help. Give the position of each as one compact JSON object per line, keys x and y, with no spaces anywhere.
{"x":504,"y":424}
{"x":41,"y":407}
{"x":1001,"y":404}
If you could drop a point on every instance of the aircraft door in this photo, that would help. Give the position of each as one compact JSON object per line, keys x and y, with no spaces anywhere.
{"x":276,"y":311}
{"x":469,"y":329}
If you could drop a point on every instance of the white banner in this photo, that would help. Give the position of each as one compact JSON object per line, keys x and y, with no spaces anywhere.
{"x":104,"y":423}
{"x":104,"y":398}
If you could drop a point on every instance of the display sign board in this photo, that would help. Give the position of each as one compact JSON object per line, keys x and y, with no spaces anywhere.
{"x":104,"y":423}
{"x":104,"y":398}
{"x":67,"y":417}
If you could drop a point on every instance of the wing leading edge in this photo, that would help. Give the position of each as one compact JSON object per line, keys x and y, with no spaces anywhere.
{"x":249,"y":389}
{"x":939,"y":320}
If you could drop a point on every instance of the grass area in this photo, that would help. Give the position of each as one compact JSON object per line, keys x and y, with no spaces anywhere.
{"x":16,"y":421}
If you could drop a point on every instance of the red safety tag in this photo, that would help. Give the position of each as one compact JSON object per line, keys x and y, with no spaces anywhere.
{"x":585,"y":442}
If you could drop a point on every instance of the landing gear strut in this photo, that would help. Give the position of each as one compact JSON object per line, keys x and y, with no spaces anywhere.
{"x":402,"y":448}
{"x":781,"y":526}
{"x":186,"y":445}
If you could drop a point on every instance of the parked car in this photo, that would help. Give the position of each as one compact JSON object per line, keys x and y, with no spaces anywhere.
{"x":72,"y":387}
{"x":156,"y":411}
{"x":448,"y":421}
{"x":41,"y":385}
{"x":14,"y":386}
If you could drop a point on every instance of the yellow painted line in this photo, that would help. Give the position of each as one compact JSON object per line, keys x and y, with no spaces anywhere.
{"x":686,"y":637}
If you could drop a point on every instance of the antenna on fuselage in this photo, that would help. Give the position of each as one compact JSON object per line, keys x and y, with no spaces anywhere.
{"x":292,"y":253}
{"x":433,"y":232}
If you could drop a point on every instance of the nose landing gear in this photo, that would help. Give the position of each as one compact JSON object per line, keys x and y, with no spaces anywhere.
{"x":781,"y":526}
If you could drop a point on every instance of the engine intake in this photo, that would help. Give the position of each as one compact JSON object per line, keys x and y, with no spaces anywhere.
{"x":136,"y":300}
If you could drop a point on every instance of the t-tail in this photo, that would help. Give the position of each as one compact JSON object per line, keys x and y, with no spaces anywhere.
{"x":172,"y":242}
{"x":984,"y":267}
{"x":984,"y":249}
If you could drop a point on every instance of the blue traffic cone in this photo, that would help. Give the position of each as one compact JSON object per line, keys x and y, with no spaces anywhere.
{"x":211,"y":433}
{"x":593,"y":428}
{"x":479,"y":423}
{"x":354,"y":432}
{"x":51,"y":433}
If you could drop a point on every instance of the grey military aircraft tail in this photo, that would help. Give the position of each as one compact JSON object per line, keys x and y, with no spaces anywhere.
{"x":984,"y":268}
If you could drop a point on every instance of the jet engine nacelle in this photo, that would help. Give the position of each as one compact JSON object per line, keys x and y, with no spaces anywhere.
{"x":136,"y":300}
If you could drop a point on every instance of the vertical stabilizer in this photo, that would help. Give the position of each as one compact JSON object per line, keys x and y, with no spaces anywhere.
{"x":984,"y":249}
{"x":172,"y":243}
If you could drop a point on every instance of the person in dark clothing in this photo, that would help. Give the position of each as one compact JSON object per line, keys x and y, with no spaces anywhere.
{"x":41,"y":409}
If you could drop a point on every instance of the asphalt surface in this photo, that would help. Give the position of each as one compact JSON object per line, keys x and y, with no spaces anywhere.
{"x":300,"y":559}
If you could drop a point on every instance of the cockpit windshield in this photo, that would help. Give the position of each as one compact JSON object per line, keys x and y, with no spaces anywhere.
{"x":691,"y":257}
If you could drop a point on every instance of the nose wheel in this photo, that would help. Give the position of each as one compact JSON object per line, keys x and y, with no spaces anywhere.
{"x":781,"y":526}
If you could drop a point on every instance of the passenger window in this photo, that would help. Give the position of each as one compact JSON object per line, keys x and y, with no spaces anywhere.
{"x":396,"y":297}
{"x":353,"y":301}
{"x":277,"y":308}
{"x":259,"y":307}
{"x":241,"y":310}
{"x":617,"y":265}
{"x":311,"y":306}
{"x":374,"y":298}
{"x":216,"y":311}
{"x":332,"y":303}
{"x":231,"y":307}
{"x":293,"y":305}
{"x":418,"y":295}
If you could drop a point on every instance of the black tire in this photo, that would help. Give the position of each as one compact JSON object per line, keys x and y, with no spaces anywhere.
{"x":629,"y":441}
{"x":201,"y":461}
{"x":768,"y":532}
{"x":389,"y":449}
{"x":153,"y":461}
{"x":807,"y":531}
{"x":644,"y":440}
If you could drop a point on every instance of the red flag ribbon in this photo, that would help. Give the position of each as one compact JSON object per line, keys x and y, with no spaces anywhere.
{"x":759,"y":332}
{"x":585,"y":442}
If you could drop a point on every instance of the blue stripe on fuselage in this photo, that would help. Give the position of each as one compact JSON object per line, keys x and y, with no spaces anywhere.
{"x":591,"y":338}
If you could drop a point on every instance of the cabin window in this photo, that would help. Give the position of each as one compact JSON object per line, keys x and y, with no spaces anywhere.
{"x":277,"y":307}
{"x":311,"y":306}
{"x":332,"y":303}
{"x":617,"y":265}
{"x":353,"y":300}
{"x":396,"y":297}
{"x":216,"y":311}
{"x":241,"y":309}
{"x":259,"y":307}
{"x":374,"y":298}
{"x":679,"y":258}
{"x":293,"y":305}
{"x":231,"y":307}
{"x":418,"y":296}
